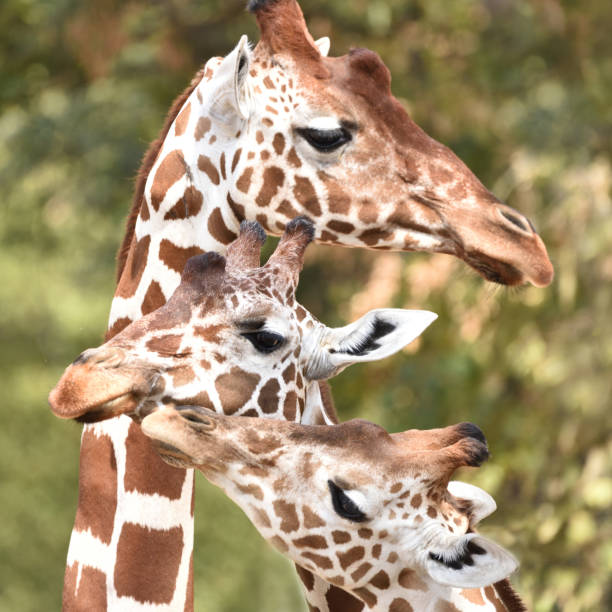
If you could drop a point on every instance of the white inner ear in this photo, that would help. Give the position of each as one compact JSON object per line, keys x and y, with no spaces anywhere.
{"x":482,"y":504}
{"x":242,"y":92}
{"x":376,"y":335}
{"x":232,"y":98}
{"x":323,"y":44}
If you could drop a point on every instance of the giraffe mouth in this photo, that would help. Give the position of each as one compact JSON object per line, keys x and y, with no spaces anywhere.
{"x":111,"y":408}
{"x":495,"y":271}
{"x":172,"y":455}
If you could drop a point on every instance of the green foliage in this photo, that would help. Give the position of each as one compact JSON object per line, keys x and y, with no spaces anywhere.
{"x":520,"y":90}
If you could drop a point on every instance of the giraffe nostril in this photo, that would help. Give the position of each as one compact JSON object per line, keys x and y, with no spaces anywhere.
{"x":517,"y":219}
{"x":197,"y":415}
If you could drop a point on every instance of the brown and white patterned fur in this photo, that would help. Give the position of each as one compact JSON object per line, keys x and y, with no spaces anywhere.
{"x":201,"y":348}
{"x":370,"y":512}
{"x":236,"y":146}
{"x":232,"y":338}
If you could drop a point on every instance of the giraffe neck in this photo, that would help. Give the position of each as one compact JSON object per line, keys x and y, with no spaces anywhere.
{"x":132,"y":540}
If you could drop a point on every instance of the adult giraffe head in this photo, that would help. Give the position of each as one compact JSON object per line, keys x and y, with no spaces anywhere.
{"x":372,"y":513}
{"x":232,"y":338}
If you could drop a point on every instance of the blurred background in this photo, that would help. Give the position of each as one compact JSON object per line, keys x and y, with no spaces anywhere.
{"x":520,"y":90}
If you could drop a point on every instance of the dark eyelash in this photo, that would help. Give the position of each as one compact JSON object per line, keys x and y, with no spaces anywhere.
{"x":344,"y":505}
{"x":264,"y":341}
{"x":325,"y":141}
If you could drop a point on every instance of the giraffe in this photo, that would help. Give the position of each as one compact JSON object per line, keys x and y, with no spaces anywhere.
{"x":373,"y":513}
{"x":232,"y":338}
{"x":266,"y":134}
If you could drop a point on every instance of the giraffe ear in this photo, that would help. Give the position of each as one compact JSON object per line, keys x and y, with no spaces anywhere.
{"x":481,"y":504}
{"x":323,"y":44}
{"x":233,"y":96}
{"x":376,"y":335}
{"x":473,"y":562}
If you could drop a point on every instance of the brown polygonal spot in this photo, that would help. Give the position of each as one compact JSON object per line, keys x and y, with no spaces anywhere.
{"x":273,"y":178}
{"x":311,"y":541}
{"x":285,"y":208}
{"x":188,"y":205}
{"x":153,"y":298}
{"x":116,"y":327}
{"x":146,"y":472}
{"x":311,"y":518}
{"x":352,"y":555}
{"x":319,"y":560}
{"x":134,"y":267}
{"x":165,"y":345}
{"x":305,"y":194}
{"x":147,"y":563}
{"x":97,"y":486}
{"x":361,"y":571}
{"x":306,"y":577}
{"x":416,"y":501}
{"x":338,"y":201}
{"x":340,"y":600}
{"x":90,"y":593}
{"x":409,"y":579}
{"x":235,"y":389}
{"x":290,"y":406}
{"x":400,"y":605}
{"x":171,"y":169}
{"x":175,"y":257}
{"x":286,"y":512}
{"x":341,"y":537}
{"x":206,"y":165}
{"x":251,"y":489}
{"x":180,"y":125}
{"x":202,"y":127}
{"x":244,"y":182}
{"x":278,"y":143}
{"x":236,"y":158}
{"x":381,"y":580}
{"x":218,"y":229}
{"x":342,"y":227}
{"x":268,"y":396}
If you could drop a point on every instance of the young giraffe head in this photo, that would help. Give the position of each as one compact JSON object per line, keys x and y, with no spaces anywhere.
{"x":232,"y":338}
{"x":367,"y":511}
{"x":285,"y":130}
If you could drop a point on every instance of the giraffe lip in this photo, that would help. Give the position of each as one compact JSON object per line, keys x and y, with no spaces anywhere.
{"x":495,"y":271}
{"x":107,"y":410}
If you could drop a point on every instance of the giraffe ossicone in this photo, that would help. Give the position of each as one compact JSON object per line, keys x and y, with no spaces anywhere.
{"x":372,"y":513}
{"x":232,"y":338}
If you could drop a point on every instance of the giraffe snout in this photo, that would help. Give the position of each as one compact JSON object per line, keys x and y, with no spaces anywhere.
{"x":100,"y":384}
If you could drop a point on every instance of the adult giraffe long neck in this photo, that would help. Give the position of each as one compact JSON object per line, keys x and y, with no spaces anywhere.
{"x":132,"y":540}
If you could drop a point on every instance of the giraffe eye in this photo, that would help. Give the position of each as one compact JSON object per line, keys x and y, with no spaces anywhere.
{"x":265,"y":341}
{"x":325,"y":141}
{"x":344,"y":505}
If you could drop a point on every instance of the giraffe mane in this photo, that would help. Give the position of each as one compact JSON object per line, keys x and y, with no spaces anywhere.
{"x":510,"y":598}
{"x":148,"y":160}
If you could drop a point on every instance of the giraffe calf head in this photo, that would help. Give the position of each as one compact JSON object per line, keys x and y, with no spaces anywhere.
{"x":365,"y":510}
{"x":232,"y":338}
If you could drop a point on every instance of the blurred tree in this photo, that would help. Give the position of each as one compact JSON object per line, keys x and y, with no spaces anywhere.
{"x":520,"y":90}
